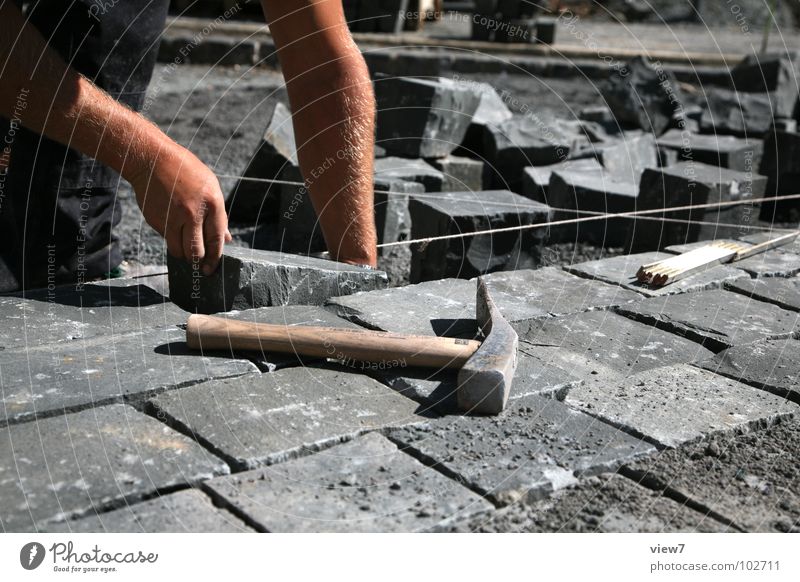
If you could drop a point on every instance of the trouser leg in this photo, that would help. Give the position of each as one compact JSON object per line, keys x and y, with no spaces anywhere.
{"x":59,"y":208}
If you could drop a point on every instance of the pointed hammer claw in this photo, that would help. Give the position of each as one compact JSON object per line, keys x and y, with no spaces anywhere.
{"x":484,"y":382}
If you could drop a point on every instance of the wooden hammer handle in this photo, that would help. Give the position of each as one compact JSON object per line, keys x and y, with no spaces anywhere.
{"x":219,"y":333}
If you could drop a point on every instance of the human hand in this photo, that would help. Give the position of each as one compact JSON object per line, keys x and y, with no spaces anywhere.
{"x":181,"y":199}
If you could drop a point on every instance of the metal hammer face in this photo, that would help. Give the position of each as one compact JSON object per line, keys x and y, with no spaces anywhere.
{"x":484,"y":382}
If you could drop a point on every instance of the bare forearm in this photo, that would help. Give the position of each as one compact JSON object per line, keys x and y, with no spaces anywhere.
{"x":335,"y":151}
{"x":66,"y":107}
{"x":334,"y":110}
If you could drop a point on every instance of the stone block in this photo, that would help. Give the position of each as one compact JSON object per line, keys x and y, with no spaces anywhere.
{"x":782,"y":292}
{"x":621,"y":270}
{"x":392,"y":217}
{"x":781,"y":165}
{"x":772,"y":365}
{"x":409,"y":171}
{"x":597,"y":113}
{"x":627,"y":158}
{"x":582,"y":193}
{"x":363,"y":486}
{"x":678,"y":404}
{"x":422,"y":118}
{"x":459,"y":174}
{"x":492,"y":109}
{"x":464,"y":212}
{"x":736,"y":113}
{"x":643,"y":95}
{"x":66,"y":466}
{"x":536,"y":179}
{"x":604,"y":347}
{"x":515,"y":144}
{"x":774,"y":73}
{"x":267,"y":418}
{"x":725,"y":151}
{"x":605,"y":503}
{"x":716,"y":319}
{"x":694,"y":183}
{"x":252,"y":201}
{"x":298,"y":224}
{"x":69,"y":312}
{"x":188,"y":511}
{"x":747,"y":480}
{"x":538,"y":445}
{"x":48,"y":378}
{"x":251,"y":278}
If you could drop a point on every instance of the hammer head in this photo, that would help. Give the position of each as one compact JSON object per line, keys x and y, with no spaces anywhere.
{"x":484,"y":382}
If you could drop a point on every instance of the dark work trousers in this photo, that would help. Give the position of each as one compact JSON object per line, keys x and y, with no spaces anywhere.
{"x":57,"y":206}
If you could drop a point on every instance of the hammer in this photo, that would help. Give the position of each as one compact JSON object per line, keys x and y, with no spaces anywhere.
{"x":486,"y":369}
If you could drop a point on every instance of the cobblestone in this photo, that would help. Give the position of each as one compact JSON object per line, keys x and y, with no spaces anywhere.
{"x":264,"y":419}
{"x":67,"y":465}
{"x":364,"y":486}
{"x":678,"y":404}
{"x":536,"y":446}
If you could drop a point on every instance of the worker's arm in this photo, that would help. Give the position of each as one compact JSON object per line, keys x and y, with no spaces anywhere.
{"x":331,"y":97}
{"x":179,"y":196}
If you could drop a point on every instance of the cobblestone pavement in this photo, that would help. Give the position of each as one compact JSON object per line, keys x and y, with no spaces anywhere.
{"x":630,"y":412}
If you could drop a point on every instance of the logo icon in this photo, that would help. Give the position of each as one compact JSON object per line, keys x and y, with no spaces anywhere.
{"x":31,"y":555}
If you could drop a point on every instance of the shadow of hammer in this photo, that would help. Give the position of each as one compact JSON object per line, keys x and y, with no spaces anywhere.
{"x":486,"y":369}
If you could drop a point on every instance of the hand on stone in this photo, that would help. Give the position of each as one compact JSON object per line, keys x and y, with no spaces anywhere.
{"x":181,"y":199}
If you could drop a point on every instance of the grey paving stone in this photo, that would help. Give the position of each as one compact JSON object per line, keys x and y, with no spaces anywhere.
{"x":463,"y":212}
{"x":263,"y":419}
{"x":678,"y":404}
{"x":460,"y":174}
{"x":736,"y":113}
{"x":392,"y":218}
{"x":780,"y":165}
{"x":775,"y":73}
{"x":252,"y":201}
{"x":253,"y":278}
{"x":536,"y":179}
{"x":514,"y":144}
{"x":69,"y":375}
{"x":188,"y":511}
{"x":536,"y":446}
{"x":366,"y":486}
{"x":782,"y":292}
{"x":410,"y":170}
{"x":447,"y":306}
{"x":589,"y":192}
{"x":492,"y":109}
{"x":643,"y":95}
{"x":67,"y":465}
{"x":750,"y":479}
{"x":772,"y":365}
{"x":764,"y":236}
{"x":627,"y":158}
{"x":694,"y":183}
{"x":725,"y":151}
{"x":68,"y":313}
{"x":605,"y":503}
{"x":604,"y":346}
{"x":288,"y":315}
{"x":621,"y":270}
{"x":422,"y":118}
{"x":717,"y":319}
